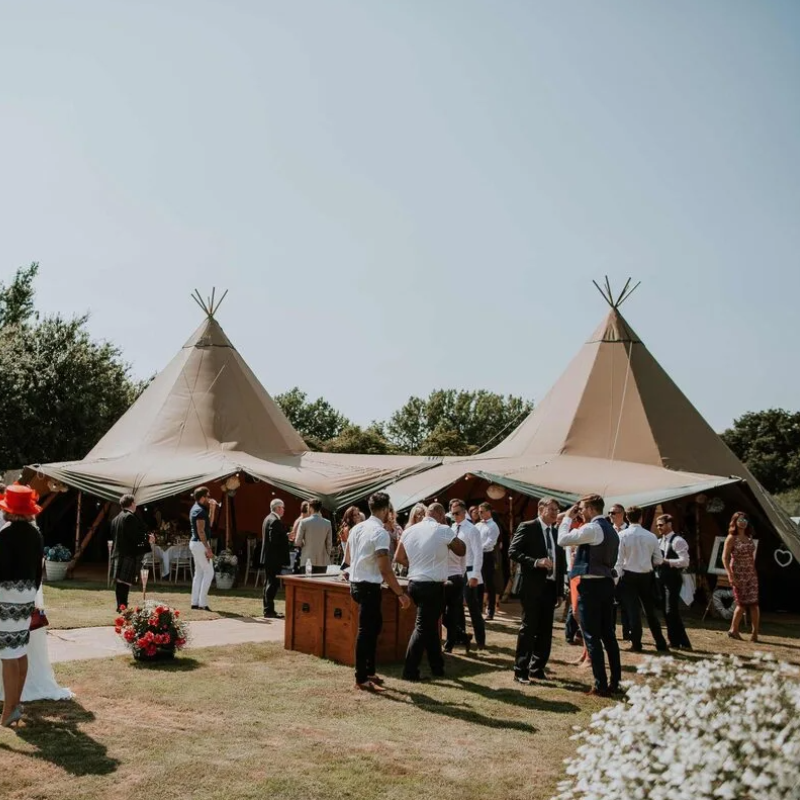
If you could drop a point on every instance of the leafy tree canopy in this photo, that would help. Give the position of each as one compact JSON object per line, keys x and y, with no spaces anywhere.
{"x":315,"y":421}
{"x":354,"y":439}
{"x":463,"y":421}
{"x":61,"y":390}
{"x":768,"y":442}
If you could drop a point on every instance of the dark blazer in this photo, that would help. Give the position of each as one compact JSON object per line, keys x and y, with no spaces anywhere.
{"x":130,"y":535}
{"x":274,"y":544}
{"x":526,"y":547}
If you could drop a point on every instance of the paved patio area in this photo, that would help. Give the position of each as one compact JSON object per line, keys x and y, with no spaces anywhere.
{"x":84,"y":643}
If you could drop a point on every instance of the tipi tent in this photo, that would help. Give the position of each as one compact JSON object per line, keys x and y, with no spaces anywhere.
{"x":205,"y":417}
{"x":613,"y":423}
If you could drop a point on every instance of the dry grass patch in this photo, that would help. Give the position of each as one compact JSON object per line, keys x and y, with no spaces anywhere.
{"x":255,"y":721}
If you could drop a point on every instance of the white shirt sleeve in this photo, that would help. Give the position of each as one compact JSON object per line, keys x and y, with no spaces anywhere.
{"x":680,"y":546}
{"x":474,"y":553}
{"x":658,"y":556}
{"x":381,"y":540}
{"x":619,"y":568}
{"x":590,"y":533}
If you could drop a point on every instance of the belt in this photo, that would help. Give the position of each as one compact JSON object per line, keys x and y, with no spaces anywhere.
{"x":469,"y":568}
{"x":490,"y":550}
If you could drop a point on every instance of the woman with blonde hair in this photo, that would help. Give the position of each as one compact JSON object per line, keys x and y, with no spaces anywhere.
{"x":21,"y":563}
{"x":393,"y":529}
{"x":739,"y":560}
{"x":417,"y":514}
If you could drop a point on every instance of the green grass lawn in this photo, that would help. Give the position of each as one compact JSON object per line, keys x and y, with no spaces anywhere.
{"x":83,"y":604}
{"x":255,"y":721}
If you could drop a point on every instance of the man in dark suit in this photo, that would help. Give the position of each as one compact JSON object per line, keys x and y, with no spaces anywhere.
{"x":131,"y":542}
{"x":542,"y":565}
{"x":274,"y":554}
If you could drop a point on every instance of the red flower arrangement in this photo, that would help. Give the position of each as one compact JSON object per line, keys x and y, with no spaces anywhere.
{"x":151,"y":630}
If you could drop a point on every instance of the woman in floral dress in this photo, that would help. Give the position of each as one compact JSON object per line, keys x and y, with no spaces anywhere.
{"x":739,"y":559}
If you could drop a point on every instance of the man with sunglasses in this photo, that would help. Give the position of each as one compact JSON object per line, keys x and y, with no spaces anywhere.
{"x":675,"y":552}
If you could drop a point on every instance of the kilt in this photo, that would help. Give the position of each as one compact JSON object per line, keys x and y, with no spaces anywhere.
{"x":126,"y":568}
{"x":17,"y":599}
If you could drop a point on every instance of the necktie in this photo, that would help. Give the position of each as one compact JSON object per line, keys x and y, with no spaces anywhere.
{"x":549,"y":545}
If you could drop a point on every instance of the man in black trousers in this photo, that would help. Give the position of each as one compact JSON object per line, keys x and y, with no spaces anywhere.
{"x":542,"y":564}
{"x":595,"y":559}
{"x":367,"y":565}
{"x":424,"y":549}
{"x":131,"y":542}
{"x":639,"y":553}
{"x":274,"y":554}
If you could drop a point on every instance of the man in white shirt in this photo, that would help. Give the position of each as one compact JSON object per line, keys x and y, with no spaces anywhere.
{"x":490,"y":533}
{"x":675,"y":551}
{"x":639,"y":553}
{"x":595,"y":558}
{"x":424,"y":550}
{"x":468,"y":584}
{"x":366,"y":562}
{"x":616,"y":516}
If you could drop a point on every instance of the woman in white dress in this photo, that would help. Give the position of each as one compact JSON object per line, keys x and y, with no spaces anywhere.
{"x":41,"y":682}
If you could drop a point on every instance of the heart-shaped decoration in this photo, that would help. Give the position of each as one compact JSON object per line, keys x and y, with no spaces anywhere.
{"x":783,"y":557}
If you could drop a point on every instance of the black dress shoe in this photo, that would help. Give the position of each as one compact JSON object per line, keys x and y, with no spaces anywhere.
{"x":635,"y":648}
{"x":523,"y":679}
{"x":448,"y":647}
{"x":205,"y":608}
{"x":195,"y":608}
{"x":616,"y":691}
{"x":538,"y":674}
{"x":273,"y":615}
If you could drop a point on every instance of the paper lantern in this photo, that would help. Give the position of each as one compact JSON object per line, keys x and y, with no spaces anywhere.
{"x":495,"y":492}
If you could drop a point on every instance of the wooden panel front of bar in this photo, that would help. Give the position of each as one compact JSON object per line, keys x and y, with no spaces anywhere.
{"x":322,"y":619}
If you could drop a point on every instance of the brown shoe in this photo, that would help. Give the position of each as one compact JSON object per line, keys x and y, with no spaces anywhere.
{"x":734,"y":635}
{"x":369,"y":686}
{"x":375,"y":679}
{"x":595,"y":692}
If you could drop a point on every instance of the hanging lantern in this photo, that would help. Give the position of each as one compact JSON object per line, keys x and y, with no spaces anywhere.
{"x":231,"y":485}
{"x":495,"y":492}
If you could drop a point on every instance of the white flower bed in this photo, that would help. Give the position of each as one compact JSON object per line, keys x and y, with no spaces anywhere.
{"x":718,"y":729}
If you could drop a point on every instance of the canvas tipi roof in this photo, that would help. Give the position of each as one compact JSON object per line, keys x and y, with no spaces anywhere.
{"x":206,"y":416}
{"x":613,"y":423}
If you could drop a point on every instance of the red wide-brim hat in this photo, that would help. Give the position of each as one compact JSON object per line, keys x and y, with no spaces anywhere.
{"x":20,"y":500}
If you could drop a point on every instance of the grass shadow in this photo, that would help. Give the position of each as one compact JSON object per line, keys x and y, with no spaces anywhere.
{"x":54,"y":730}
{"x":179,"y":664}
{"x":518,"y":697}
{"x":462,"y":712}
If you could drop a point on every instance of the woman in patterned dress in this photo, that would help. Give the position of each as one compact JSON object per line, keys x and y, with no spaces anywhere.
{"x":21,"y":557}
{"x":739,"y":560}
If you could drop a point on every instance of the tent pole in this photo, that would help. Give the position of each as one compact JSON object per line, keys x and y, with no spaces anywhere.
{"x":78,"y":523}
{"x":79,"y":549}
{"x":227,"y":521}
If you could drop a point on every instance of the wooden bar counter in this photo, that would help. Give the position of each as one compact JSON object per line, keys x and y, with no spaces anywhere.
{"x":322,"y":619}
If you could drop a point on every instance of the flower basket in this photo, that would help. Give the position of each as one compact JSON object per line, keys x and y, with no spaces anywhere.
{"x":154,"y":631}
{"x":55,"y":570}
{"x":56,"y":562}
{"x":225,"y":567}
{"x":224,"y":580}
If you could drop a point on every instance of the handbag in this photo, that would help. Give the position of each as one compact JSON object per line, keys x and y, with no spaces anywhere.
{"x":38,"y":619}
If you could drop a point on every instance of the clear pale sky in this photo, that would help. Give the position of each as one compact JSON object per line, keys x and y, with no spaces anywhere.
{"x":403,"y":196}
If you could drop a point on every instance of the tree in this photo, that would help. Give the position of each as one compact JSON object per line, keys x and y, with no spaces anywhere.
{"x":316,"y":422}
{"x":462,"y":420}
{"x":354,"y":439}
{"x":768,"y":442}
{"x":61,"y":391}
{"x":16,"y":299}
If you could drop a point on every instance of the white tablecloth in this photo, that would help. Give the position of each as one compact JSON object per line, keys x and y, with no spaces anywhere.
{"x":169,"y":556}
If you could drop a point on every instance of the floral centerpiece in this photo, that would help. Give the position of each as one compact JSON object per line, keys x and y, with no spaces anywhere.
{"x":225,"y":568}
{"x":56,"y":561}
{"x":152,"y":631}
{"x":717,"y":729}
